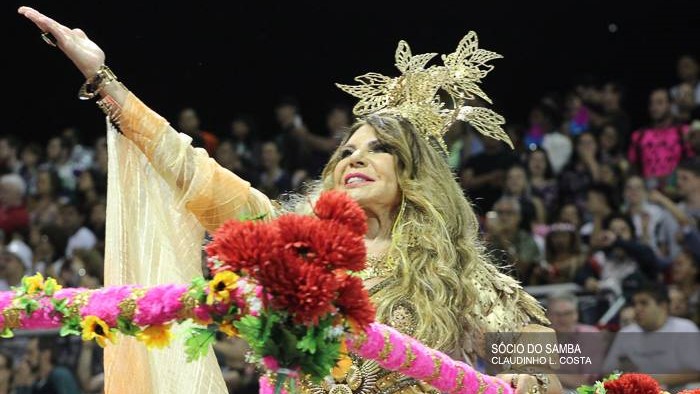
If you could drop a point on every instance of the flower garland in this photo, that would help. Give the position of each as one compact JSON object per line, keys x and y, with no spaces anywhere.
{"x":287,"y":287}
{"x":146,"y":313}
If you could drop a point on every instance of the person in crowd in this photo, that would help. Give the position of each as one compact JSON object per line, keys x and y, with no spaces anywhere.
{"x":672,"y":357}
{"x":620,"y":264}
{"x":243,"y":136}
{"x":39,"y":372}
{"x":14,"y":217}
{"x":581,"y":172}
{"x":562,"y":310}
{"x":29,"y":166}
{"x":655,"y":150}
{"x":563,"y":255}
{"x":653,"y":225}
{"x":543,"y":185}
{"x":483,"y":175}
{"x":189,"y":123}
{"x":73,"y":223}
{"x":512,"y":245}
{"x":273,"y":180}
{"x":517,"y":186}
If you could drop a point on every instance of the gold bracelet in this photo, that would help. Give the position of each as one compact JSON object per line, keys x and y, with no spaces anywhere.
{"x":96,"y":83}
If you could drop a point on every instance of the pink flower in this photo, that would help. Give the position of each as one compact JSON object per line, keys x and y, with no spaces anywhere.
{"x":104,"y":303}
{"x":270,"y":363}
{"x":42,"y":317}
{"x":68,"y":293}
{"x":160,"y":305}
{"x":5,"y":301}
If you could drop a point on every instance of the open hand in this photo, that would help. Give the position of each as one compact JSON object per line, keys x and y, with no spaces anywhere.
{"x":84,"y":53}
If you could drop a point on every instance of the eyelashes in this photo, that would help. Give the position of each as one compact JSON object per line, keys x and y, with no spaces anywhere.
{"x":375,"y":147}
{"x":345,"y":152}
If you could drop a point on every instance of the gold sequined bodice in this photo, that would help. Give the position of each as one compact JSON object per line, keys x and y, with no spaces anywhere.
{"x":366,"y":376}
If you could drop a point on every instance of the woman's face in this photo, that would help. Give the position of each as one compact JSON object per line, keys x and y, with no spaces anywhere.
{"x":586,"y":145}
{"x":621,"y":229}
{"x":608,"y":138}
{"x":226,"y":155}
{"x":561,"y":241}
{"x":537,"y":163}
{"x":85,"y":182}
{"x":683,"y":268}
{"x":635,"y":193}
{"x":569,"y":214}
{"x":367,"y":171}
{"x":43,"y":183}
{"x":516,"y":181}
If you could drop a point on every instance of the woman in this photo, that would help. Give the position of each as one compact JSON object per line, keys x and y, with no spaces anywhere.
{"x":542,"y":182}
{"x":582,"y":171}
{"x":517,"y":186}
{"x":562,"y":253}
{"x":421,"y":229}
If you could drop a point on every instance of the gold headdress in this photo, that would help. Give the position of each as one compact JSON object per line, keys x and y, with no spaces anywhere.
{"x":415,"y":95}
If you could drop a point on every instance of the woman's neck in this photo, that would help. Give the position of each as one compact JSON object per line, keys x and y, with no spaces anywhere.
{"x":378,"y":226}
{"x":537,"y":178}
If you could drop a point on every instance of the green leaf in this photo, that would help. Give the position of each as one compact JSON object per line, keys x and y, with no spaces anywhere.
{"x":585,"y":390}
{"x":127,"y":327}
{"x":320,"y":363}
{"x":61,"y":306}
{"x":6,"y":333}
{"x":50,"y":287}
{"x":71,"y":326}
{"x":250,"y":328}
{"x":197,"y":345}
{"x":270,"y":320}
{"x":246,"y":217}
{"x":69,"y":330}
{"x":197,"y":288}
{"x":28,"y":304}
{"x":308,"y":342}
{"x":290,"y":355}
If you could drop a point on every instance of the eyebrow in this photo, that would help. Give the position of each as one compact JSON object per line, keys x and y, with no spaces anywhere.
{"x":371,"y":144}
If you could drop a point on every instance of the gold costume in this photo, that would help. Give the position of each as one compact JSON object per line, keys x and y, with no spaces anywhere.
{"x":202,"y":195}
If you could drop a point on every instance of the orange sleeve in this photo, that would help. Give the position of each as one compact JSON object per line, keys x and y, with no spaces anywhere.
{"x":212,"y":193}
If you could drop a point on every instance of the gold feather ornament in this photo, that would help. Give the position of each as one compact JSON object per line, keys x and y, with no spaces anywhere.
{"x":415,"y":94}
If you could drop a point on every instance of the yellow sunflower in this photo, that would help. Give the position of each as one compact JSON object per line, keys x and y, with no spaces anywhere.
{"x":221,"y":286}
{"x":156,"y":336}
{"x":228,"y":329}
{"x":34,"y":283}
{"x":95,"y":328}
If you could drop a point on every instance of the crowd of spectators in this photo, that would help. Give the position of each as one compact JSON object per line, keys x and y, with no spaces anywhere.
{"x":589,"y":198}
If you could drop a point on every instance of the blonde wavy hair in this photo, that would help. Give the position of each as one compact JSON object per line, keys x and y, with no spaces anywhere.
{"x":434,"y":242}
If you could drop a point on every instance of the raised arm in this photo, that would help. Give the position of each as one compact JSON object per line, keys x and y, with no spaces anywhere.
{"x":211,"y":192}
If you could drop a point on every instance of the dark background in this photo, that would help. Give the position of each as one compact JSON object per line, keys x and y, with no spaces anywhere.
{"x":241,"y":57}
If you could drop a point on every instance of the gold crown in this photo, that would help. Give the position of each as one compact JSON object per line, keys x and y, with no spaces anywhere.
{"x":415,"y":94}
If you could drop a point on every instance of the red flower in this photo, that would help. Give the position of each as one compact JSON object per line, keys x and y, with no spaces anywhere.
{"x":242,"y":245}
{"x":305,"y":290}
{"x":636,"y":383}
{"x":693,"y":391}
{"x":353,"y":302}
{"x":339,"y":207}
{"x":327,"y":244}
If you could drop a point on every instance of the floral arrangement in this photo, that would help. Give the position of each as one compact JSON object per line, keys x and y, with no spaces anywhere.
{"x":286,"y":286}
{"x":628,"y":383}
